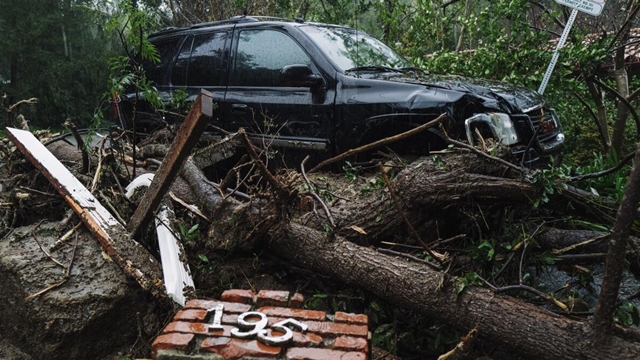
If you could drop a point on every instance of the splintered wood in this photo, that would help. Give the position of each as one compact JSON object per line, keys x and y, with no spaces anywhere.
{"x":186,"y":139}
{"x":114,"y":238}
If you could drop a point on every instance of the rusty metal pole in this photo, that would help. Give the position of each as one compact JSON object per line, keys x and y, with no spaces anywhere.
{"x":189,"y":133}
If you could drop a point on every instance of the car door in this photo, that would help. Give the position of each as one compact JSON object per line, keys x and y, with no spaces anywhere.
{"x":259,"y":98}
{"x":201,"y":63}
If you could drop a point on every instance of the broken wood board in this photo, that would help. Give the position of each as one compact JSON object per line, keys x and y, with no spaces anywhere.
{"x":177,"y":276}
{"x":114,"y":238}
{"x":186,"y":139}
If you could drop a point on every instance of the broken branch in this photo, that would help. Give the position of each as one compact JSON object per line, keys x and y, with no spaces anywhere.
{"x":313,"y":193}
{"x":35,"y":237}
{"x":381,"y":142}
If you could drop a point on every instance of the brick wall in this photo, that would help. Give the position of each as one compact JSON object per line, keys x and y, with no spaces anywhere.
{"x":339,"y":336}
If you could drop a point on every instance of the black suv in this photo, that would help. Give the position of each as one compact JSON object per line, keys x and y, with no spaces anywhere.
{"x":329,"y":88}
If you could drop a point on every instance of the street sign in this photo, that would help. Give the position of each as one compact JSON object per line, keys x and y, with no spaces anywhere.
{"x":591,"y":7}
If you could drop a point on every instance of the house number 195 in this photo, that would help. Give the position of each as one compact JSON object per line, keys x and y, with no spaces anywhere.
{"x":250,"y":329}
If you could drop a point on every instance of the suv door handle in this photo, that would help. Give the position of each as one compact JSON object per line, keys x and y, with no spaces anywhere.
{"x":239,"y":109}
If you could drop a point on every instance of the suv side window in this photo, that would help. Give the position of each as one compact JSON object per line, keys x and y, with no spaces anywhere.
{"x":199,"y":62}
{"x":179,"y":72}
{"x":156,"y":71}
{"x":261,"y":56}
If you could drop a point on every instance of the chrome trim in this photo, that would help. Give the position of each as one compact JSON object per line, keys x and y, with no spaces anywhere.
{"x":285,"y":142}
{"x":479,"y":118}
{"x":535,"y":107}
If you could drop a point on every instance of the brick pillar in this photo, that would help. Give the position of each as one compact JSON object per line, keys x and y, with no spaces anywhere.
{"x":339,"y":336}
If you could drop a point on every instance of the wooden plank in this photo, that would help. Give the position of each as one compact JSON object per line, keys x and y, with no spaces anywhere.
{"x":177,"y":275}
{"x":186,"y":139}
{"x":114,"y":238}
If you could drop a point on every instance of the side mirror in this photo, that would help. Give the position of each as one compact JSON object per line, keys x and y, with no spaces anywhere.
{"x":300,"y":75}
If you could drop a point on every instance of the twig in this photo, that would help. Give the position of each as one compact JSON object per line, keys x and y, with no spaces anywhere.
{"x":476,"y":151}
{"x":575,"y":246}
{"x":462,"y":349}
{"x":606,"y":172}
{"x":35,"y":237}
{"x":58,"y":284}
{"x":504,"y":267}
{"x":401,"y":245}
{"x":31,"y":101}
{"x":194,"y":209}
{"x":411,"y":257}
{"x":385,"y":141}
{"x":581,"y":257}
{"x":446,"y":241}
{"x":629,"y":333}
{"x":96,"y":177}
{"x":80,"y":142}
{"x":624,"y":100}
{"x":113,"y":209}
{"x":282,"y":191}
{"x":313,"y":193}
{"x":534,"y":138}
{"x":406,"y":219}
{"x":36,"y":191}
{"x":522,"y":287}
{"x":64,"y":237}
{"x":73,"y":255}
{"x":33,"y":296}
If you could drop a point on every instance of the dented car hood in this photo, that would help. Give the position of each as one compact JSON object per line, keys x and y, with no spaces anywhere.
{"x":493,"y":94}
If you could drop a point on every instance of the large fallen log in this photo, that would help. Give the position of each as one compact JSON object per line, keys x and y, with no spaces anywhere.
{"x":518,"y":326}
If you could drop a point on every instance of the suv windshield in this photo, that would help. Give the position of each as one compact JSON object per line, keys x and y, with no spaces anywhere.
{"x":351,"y":49}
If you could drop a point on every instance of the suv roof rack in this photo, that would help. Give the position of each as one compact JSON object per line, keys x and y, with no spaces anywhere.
{"x":234,"y":20}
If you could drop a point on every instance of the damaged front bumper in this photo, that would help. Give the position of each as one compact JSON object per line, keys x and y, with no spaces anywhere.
{"x":537,"y":132}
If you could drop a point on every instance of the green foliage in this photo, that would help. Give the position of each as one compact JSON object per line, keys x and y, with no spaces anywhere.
{"x":179,"y":101}
{"x":203,"y":258}
{"x":610,"y":186}
{"x":374,"y":184}
{"x":468,"y":279}
{"x":189,"y":235}
{"x":350,"y":171}
{"x":127,"y":73}
{"x":488,"y":249}
{"x":53,"y":51}
{"x":546,"y":258}
{"x":315,"y":302}
{"x":587,"y":225}
{"x":628,"y":314}
{"x":548,"y":180}
{"x":385,"y":336}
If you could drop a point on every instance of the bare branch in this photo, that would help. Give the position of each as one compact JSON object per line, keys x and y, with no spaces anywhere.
{"x":379,"y":143}
{"x":624,"y":101}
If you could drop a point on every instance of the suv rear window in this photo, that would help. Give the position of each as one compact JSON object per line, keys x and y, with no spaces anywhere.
{"x":156,"y":71}
{"x":261,"y":56}
{"x":199,"y":62}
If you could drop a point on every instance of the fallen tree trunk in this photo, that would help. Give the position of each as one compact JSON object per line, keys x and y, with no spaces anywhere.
{"x":521,"y":327}
{"x":425,"y":190}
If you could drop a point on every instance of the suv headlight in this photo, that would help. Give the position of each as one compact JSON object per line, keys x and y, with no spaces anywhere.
{"x":504,"y":129}
{"x":500,"y":125}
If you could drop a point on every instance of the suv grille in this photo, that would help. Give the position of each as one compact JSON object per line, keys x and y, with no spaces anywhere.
{"x":545,"y":119}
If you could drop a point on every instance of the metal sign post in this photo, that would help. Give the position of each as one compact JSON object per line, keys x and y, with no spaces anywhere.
{"x":592,"y":7}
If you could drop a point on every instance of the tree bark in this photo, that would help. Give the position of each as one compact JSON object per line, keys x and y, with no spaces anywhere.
{"x":519,"y":326}
{"x":627,"y":213}
{"x":602,"y":114}
{"x":426,"y":192}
